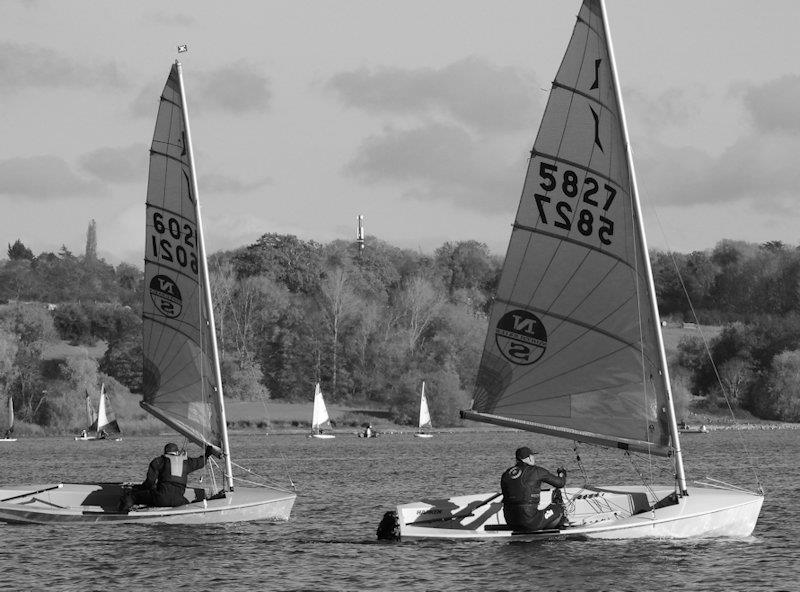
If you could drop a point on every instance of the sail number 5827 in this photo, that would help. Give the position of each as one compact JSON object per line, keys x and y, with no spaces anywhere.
{"x":174,"y":242}
{"x":575,"y":214}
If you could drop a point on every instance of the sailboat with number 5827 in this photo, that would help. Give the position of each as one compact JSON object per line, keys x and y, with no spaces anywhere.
{"x":574,"y":347}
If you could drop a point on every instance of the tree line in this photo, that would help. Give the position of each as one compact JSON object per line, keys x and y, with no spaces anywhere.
{"x":371,"y":324}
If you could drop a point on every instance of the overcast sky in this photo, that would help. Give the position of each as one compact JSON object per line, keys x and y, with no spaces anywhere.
{"x":418,"y":114}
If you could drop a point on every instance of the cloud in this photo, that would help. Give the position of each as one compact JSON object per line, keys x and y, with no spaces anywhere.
{"x":43,"y":177}
{"x":470,"y":91}
{"x":237,"y":88}
{"x":671,"y":108}
{"x":760,"y":167}
{"x":169,"y":19}
{"x":772,"y":106}
{"x":35,"y":67}
{"x":440,"y":161}
{"x":227,"y":184}
{"x":117,"y":165}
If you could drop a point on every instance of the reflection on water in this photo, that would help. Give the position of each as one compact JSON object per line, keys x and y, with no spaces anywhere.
{"x":345,"y":485}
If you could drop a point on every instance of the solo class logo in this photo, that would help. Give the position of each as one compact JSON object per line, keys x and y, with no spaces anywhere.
{"x":166,"y":296}
{"x":521,"y":337}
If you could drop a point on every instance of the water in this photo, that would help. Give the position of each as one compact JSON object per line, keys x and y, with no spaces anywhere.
{"x":345,"y":485}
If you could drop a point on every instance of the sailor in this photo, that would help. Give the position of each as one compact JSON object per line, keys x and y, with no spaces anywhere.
{"x":166,"y":479}
{"x":521,"y":486}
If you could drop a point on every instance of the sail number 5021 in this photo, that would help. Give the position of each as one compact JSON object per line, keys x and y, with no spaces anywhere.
{"x":175,"y":242}
{"x":568,"y":214}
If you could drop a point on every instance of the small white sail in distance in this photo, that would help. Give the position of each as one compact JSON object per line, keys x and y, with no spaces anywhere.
{"x":424,"y":413}
{"x":320,"y":417}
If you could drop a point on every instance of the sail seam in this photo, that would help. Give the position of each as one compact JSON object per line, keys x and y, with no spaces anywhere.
{"x":166,"y":155}
{"x":573,"y":241}
{"x":587,"y":96}
{"x":577,"y":165}
{"x":567,"y":319}
{"x":156,"y":320}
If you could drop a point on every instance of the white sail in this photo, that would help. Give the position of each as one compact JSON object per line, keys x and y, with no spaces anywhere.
{"x":319,"y":416}
{"x":106,"y":421}
{"x":572,"y":347}
{"x":10,"y":414}
{"x":424,"y":413}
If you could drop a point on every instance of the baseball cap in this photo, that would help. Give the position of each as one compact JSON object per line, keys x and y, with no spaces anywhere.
{"x":524,"y":452}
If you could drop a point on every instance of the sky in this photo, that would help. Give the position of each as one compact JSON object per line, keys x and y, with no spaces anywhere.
{"x":417,"y":114}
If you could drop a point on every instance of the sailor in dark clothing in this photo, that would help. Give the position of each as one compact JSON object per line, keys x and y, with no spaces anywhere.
{"x":521,"y":486}
{"x":166,"y":479}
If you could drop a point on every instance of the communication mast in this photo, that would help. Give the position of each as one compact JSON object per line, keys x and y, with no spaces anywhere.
{"x":360,"y":233}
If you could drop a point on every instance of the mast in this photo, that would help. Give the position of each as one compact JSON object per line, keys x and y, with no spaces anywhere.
{"x":673,"y":424}
{"x":223,"y":427}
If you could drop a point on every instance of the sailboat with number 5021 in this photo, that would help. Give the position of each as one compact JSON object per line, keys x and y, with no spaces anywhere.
{"x":181,"y":373}
{"x":574,"y":347}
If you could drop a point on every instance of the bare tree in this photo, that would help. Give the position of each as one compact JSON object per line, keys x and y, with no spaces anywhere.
{"x":338,"y":303}
{"x":418,"y":304}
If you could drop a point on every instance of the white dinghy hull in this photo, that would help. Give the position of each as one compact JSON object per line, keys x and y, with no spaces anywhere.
{"x":596,"y":513}
{"x":97,"y":502}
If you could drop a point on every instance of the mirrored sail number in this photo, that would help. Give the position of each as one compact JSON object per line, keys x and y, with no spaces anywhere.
{"x":174,"y":242}
{"x":586,"y":214}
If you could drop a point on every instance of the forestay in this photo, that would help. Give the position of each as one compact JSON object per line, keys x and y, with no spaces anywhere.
{"x":572,"y":348}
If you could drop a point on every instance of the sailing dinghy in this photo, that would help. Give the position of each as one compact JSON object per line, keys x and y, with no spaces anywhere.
{"x":574,"y":347}
{"x":103,"y":425}
{"x":424,"y":416}
{"x":10,"y":430}
{"x":182,"y":383}
{"x":319,"y":417}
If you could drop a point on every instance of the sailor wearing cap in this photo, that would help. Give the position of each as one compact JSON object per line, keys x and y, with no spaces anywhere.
{"x":521,"y":486}
{"x":166,"y":479}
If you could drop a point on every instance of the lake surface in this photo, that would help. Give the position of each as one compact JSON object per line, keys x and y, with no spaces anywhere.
{"x":345,"y":485}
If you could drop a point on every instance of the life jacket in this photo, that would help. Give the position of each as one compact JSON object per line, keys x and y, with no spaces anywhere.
{"x":519,"y":486}
{"x":174,"y":469}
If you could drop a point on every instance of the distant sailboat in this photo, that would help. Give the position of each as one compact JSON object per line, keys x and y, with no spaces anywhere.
{"x":10,"y":430}
{"x":424,"y":416}
{"x":319,"y":417}
{"x":103,"y":425}
{"x":574,"y":347}
{"x":182,"y":378}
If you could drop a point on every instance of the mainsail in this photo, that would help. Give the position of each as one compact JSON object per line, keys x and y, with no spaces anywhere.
{"x":181,"y":381}
{"x":573,"y":346}
{"x":424,"y":413}
{"x":319,"y":417}
{"x":106,"y":421}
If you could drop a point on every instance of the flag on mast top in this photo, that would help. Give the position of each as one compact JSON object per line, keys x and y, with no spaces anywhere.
{"x":183,"y":47}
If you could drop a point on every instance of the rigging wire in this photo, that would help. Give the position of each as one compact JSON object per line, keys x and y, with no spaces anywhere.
{"x":723,"y":390}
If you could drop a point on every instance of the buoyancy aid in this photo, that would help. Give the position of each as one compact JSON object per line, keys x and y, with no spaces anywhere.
{"x":519,"y":487}
{"x":174,"y":469}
